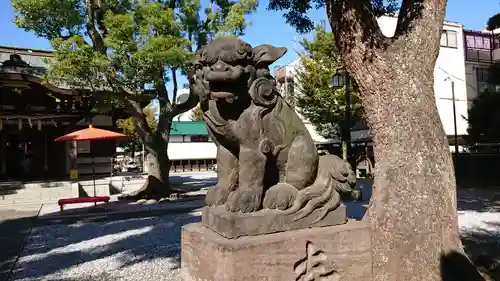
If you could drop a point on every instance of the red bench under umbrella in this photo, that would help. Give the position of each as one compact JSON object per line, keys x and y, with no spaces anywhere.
{"x":89,"y":133}
{"x":76,"y":200}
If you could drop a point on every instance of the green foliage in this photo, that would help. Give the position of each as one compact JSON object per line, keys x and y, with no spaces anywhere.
{"x":296,"y":10}
{"x":129,"y":50}
{"x":127,"y":126}
{"x":493,"y":22}
{"x":143,"y":39}
{"x":77,"y":64}
{"x":484,"y":119}
{"x":196,"y":114}
{"x":494,"y":70}
{"x":49,"y":18}
{"x":317,"y":100}
{"x":128,"y":47}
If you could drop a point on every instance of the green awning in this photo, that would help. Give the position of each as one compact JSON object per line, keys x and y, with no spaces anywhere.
{"x":183,"y":128}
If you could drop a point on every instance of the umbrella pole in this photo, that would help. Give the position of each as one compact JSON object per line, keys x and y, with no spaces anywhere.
{"x":93,"y":173}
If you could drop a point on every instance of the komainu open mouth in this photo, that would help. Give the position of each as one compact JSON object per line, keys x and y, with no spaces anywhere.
{"x":221,"y":95}
{"x":222,"y":90}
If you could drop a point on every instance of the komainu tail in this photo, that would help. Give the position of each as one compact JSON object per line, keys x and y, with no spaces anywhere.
{"x":335,"y":176}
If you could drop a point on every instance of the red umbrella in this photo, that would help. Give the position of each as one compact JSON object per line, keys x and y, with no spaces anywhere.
{"x":91,"y":133}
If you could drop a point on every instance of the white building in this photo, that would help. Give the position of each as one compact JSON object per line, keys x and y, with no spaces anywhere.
{"x":482,"y":48}
{"x":182,"y":95}
{"x":190,"y":147}
{"x":450,"y":68}
{"x":287,"y":89}
{"x":463,"y":61}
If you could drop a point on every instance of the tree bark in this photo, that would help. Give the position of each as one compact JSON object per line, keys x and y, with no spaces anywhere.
{"x":158,"y":171}
{"x":413,"y":209}
{"x":157,"y":184}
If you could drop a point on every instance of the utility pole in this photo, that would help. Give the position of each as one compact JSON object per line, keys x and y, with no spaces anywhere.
{"x":454,"y":116}
{"x":347,"y":127}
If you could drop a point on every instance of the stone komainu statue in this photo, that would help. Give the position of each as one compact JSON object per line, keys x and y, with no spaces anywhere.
{"x":266,"y":157}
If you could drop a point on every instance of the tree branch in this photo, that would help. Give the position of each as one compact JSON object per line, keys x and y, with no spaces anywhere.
{"x":174,"y":90}
{"x":94,"y":35}
{"x":99,"y":15}
{"x":417,"y":15}
{"x":355,"y":28}
{"x":140,"y":120}
{"x":191,"y":102}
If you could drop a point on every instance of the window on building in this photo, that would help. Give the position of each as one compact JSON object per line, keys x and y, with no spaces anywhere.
{"x":482,"y":80}
{"x":482,"y":75}
{"x":176,"y":138}
{"x":449,"y":39}
{"x":199,"y":138}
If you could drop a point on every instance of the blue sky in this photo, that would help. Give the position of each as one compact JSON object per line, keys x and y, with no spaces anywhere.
{"x":267,"y":27}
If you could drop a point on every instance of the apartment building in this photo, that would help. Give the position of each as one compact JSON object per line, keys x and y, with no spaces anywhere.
{"x":482,"y":49}
{"x":461,"y":72}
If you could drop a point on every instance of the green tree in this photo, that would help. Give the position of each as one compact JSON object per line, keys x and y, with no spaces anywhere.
{"x":483,"y":116}
{"x":484,"y":119}
{"x":132,"y":49}
{"x":413,"y":205}
{"x":196,"y":114}
{"x":134,"y":142}
{"x":318,"y":101}
{"x":494,"y":69}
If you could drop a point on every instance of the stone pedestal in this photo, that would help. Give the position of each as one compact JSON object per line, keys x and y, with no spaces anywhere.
{"x":236,"y":224}
{"x":341,"y":252}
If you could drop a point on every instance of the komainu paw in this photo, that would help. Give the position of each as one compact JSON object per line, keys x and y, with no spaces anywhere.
{"x":216,"y":196}
{"x":245,"y":200}
{"x":280,"y":196}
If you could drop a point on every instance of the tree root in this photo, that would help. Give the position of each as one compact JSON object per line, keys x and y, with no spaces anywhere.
{"x":153,"y":189}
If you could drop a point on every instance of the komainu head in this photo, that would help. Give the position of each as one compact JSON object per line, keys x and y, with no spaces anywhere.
{"x":227,"y":66}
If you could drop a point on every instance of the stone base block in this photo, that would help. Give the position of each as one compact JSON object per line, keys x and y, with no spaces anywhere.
{"x":233,"y":225}
{"x":336,"y":253}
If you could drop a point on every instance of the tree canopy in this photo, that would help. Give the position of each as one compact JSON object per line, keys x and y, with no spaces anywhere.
{"x":133,"y":142}
{"x":483,"y":116}
{"x":296,"y":11}
{"x":484,"y":119}
{"x":130,"y":51}
{"x":317,"y":100}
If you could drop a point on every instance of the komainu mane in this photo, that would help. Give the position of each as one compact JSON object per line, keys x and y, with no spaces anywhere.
{"x":266,"y":158}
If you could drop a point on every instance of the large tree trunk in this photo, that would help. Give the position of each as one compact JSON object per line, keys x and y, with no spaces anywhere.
{"x":157,"y":184}
{"x":413,"y":208}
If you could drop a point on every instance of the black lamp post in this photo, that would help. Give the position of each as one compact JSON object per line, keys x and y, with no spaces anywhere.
{"x":339,"y":80}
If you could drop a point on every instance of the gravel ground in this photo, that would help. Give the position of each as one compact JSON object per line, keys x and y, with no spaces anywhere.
{"x":14,"y":226}
{"x":133,"y":249}
{"x":147,"y":249}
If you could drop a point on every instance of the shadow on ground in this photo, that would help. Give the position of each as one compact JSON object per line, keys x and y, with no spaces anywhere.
{"x":94,"y":250}
{"x":483,"y":248}
{"x":189,"y":183}
{"x":479,"y":200}
{"x":457,"y":267}
{"x":125,"y":242}
{"x":14,"y":227}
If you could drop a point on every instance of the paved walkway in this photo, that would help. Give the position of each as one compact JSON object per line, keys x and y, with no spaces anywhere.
{"x":15,"y":224}
{"x":14,"y":227}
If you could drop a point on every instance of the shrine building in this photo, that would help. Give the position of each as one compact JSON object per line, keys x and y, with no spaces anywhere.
{"x":33,"y":113}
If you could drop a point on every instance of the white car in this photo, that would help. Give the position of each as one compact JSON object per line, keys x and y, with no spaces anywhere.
{"x":132,"y":167}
